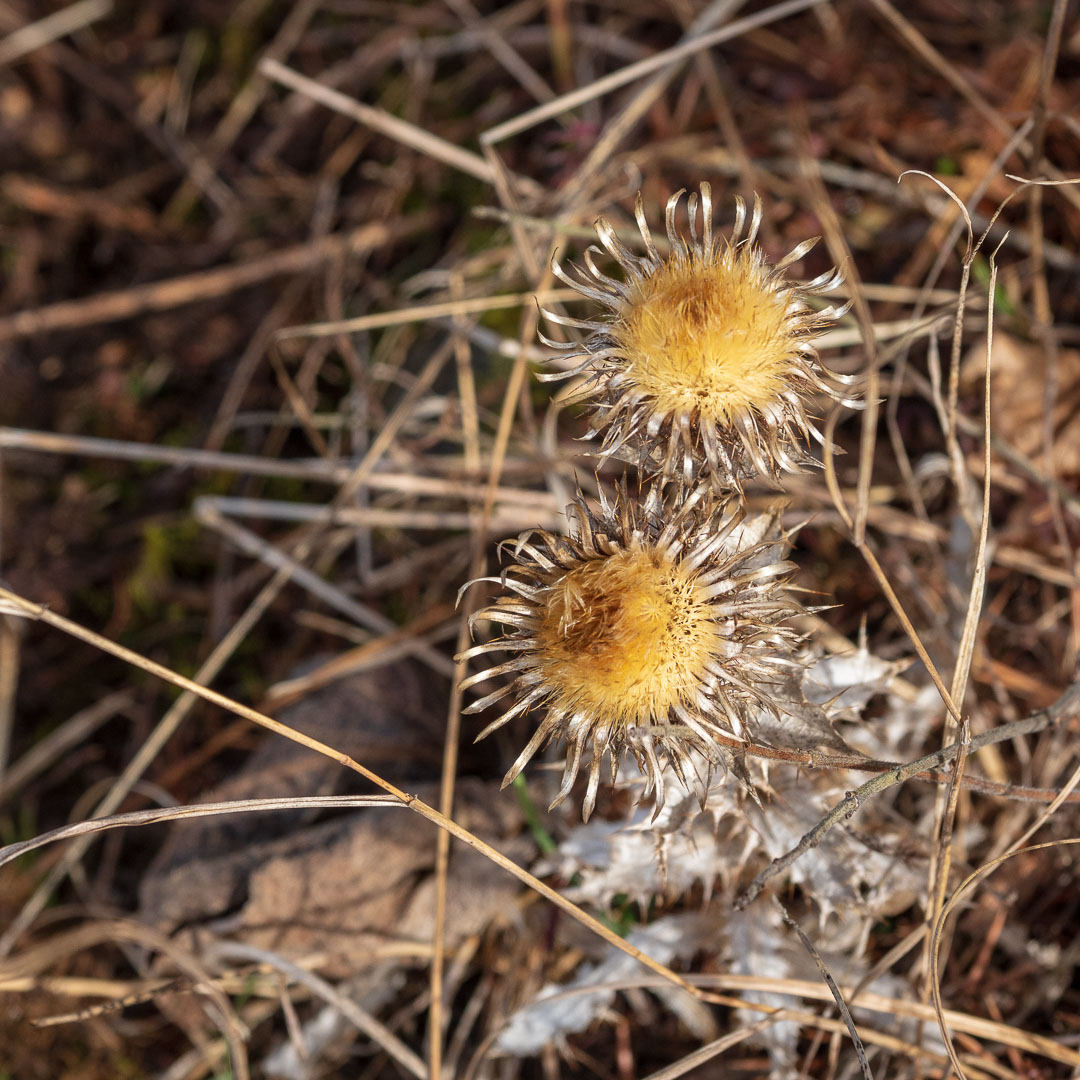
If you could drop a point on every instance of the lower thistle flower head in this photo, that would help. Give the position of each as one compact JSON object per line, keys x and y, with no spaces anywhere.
{"x":704,"y":361}
{"x":650,"y":628}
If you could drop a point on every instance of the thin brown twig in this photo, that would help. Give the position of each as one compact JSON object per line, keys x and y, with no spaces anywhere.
{"x":846,"y":808}
{"x":875,"y":568}
{"x":245,"y":102}
{"x":812,"y":759}
{"x":425,"y":142}
{"x":965,"y":653}
{"x":840,"y":251}
{"x":571,"y":100}
{"x":830,"y":982}
{"x":315,"y":470}
{"x":10,"y":663}
{"x":67,"y":20}
{"x":160,"y":814}
{"x":207,"y":284}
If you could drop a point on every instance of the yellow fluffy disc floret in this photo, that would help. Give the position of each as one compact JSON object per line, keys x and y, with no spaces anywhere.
{"x":626,"y":637}
{"x":707,"y":338}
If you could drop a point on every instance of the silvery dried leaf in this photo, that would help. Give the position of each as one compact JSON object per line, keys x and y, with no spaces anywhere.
{"x":846,"y":682}
{"x":664,"y":855}
{"x":858,"y":868}
{"x":798,"y":723}
{"x":557,"y":1012}
{"x":758,"y":946}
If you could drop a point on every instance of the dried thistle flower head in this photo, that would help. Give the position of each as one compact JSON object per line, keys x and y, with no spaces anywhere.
{"x":651,"y":628}
{"x":704,"y":361}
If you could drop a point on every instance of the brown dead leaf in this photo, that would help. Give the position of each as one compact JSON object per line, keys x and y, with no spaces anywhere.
{"x":389,"y":718}
{"x":975,"y":166}
{"x":1017,"y":392}
{"x":368,"y":880}
{"x":288,"y":882}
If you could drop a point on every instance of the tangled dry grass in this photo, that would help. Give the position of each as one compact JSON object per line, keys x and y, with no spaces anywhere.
{"x":272,"y":284}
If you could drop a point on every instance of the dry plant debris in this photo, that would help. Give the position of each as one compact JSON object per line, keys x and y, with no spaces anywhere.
{"x":276,"y":279}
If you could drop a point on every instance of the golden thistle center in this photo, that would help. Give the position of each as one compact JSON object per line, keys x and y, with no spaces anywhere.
{"x":708,"y":337}
{"x":625,"y":637}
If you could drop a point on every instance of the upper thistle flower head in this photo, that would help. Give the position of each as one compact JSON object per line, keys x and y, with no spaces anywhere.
{"x":650,"y":628}
{"x":704,"y":361}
